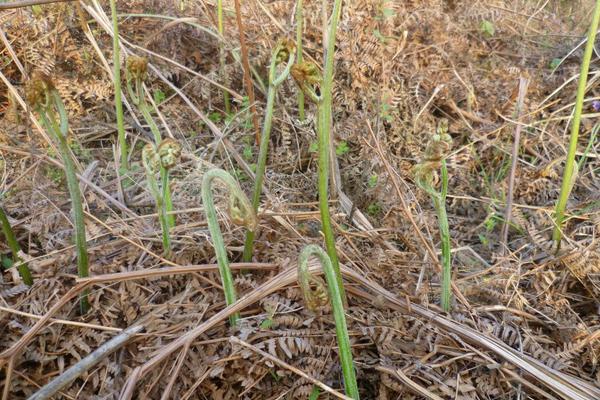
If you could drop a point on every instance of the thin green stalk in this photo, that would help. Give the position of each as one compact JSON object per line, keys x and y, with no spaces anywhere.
{"x":222,"y":54}
{"x":307,"y":77}
{"x":436,"y":150}
{"x":164,"y":175}
{"x":241,"y":213}
{"x":117,"y":82}
{"x":316,"y":297}
{"x":46,"y":101}
{"x":299,"y":59}
{"x":588,"y":147}
{"x":324,"y":140}
{"x":152,"y":164}
{"x":136,"y":71}
{"x":440,"y":207}
{"x":146,"y":113}
{"x":283,"y":50}
{"x":568,"y":174}
{"x":15,"y":248}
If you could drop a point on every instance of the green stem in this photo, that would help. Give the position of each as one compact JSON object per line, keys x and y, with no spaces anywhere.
{"x":337,"y":303}
{"x":117,"y":83}
{"x":145,"y":109}
{"x":260,"y":170}
{"x":274,"y":82}
{"x":299,"y":59}
{"x":240,"y":211}
{"x":222,"y":54}
{"x":151,"y":164}
{"x":15,"y":248}
{"x":166,"y":192}
{"x":434,"y":159}
{"x":324,"y":139}
{"x":60,"y":136}
{"x":440,"y":206}
{"x":568,"y":178}
{"x":161,"y":207}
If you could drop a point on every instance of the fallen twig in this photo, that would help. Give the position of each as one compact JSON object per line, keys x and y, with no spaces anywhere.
{"x":523,"y":82}
{"x":154,"y":273}
{"x":86,"y":363}
{"x":28,"y":3}
{"x":246,"y":65}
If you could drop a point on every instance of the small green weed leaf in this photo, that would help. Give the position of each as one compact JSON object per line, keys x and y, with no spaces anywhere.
{"x":7,"y":262}
{"x":378,"y":35}
{"x":385,"y":111}
{"x":313,"y":148}
{"x":37,"y":10}
{"x":388,"y":12}
{"x":247,"y":152}
{"x":374,"y":209}
{"x":159,"y":96}
{"x":372,"y":182}
{"x":266,"y":324}
{"x":342,"y":148}
{"x":314,"y":394}
{"x":240,"y":175}
{"x":554,"y":63}
{"x":484,"y":240}
{"x":487,"y":28}
{"x":490,"y":223}
{"x":215,"y":116}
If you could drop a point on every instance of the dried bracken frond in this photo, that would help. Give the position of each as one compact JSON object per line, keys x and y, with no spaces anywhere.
{"x":400,"y":67}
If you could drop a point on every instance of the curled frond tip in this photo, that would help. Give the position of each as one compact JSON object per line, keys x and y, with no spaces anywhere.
{"x":286,"y":49}
{"x":137,"y":67}
{"x":241,"y":212}
{"x":150,"y":158}
{"x":169,"y":152}
{"x":38,"y":88}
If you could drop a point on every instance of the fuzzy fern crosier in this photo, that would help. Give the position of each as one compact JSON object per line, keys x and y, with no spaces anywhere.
{"x":46,"y":102}
{"x":425,"y":177}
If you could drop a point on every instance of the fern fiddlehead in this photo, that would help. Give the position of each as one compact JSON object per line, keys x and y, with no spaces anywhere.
{"x":223,"y":70}
{"x":45,"y":100}
{"x":315,"y":298}
{"x":307,"y":77}
{"x":241,"y":213}
{"x":155,"y":160}
{"x":309,"y":80}
{"x":425,"y":173}
{"x":136,"y":72}
{"x":284,"y":52}
{"x":324,"y":133}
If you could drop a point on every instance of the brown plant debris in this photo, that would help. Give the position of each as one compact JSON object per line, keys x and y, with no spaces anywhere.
{"x":525,"y":322}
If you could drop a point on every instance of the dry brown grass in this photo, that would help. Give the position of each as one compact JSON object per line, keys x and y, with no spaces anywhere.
{"x":526,"y":320}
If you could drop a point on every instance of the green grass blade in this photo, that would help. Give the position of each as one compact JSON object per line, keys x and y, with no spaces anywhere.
{"x":567,"y":180}
{"x":23,"y":269}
